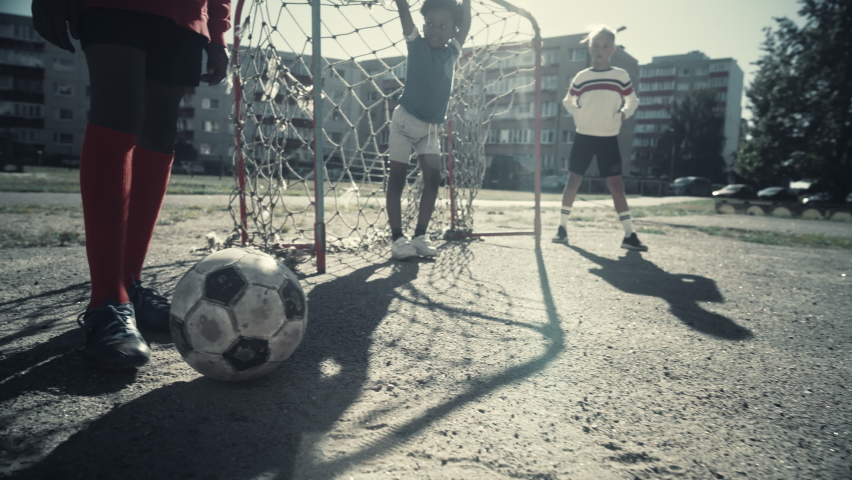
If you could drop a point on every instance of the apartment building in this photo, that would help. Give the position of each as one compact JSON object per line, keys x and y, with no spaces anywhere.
{"x":667,"y":80}
{"x":66,"y":92}
{"x":22,"y":99}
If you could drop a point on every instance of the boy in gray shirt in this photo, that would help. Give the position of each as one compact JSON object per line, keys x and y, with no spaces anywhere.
{"x":422,"y":112}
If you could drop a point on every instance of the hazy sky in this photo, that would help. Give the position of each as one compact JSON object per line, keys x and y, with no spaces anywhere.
{"x":719,"y":28}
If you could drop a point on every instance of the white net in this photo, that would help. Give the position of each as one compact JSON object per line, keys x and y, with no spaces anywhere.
{"x":363,"y":73}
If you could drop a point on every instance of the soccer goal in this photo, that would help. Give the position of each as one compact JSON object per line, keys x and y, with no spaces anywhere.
{"x":312,"y":120}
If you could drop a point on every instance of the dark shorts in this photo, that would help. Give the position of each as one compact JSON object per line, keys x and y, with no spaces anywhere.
{"x":588,"y":146}
{"x":172,"y":53}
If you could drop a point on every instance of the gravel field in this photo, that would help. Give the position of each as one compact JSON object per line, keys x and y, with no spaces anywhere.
{"x":706,"y":357}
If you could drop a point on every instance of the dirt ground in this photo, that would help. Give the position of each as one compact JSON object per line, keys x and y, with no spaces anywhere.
{"x":703,"y":358}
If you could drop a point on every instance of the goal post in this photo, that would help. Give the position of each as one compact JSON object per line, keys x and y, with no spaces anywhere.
{"x":315,"y":83}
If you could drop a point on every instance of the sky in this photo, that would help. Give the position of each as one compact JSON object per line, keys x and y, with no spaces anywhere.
{"x":719,"y":28}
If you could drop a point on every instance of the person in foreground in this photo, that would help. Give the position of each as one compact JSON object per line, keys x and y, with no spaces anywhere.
{"x":600,"y":99}
{"x":421,"y":113}
{"x":142,"y":56}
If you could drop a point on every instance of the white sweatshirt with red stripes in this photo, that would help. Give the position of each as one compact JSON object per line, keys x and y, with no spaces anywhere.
{"x":597,"y":98}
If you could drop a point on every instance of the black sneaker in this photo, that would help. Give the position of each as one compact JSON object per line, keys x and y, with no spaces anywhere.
{"x":561,"y":236}
{"x":632,"y":243}
{"x":152,"y":308}
{"x":112,"y":340}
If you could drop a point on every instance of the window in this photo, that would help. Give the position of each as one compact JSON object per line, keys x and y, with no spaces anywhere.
{"x":549,"y":82}
{"x":208,"y":149}
{"x":384,"y":136}
{"x":210,"y":103}
{"x":548,"y":136}
{"x":64,"y":89}
{"x":520,"y":135}
{"x":701,"y":71}
{"x":211,"y":126}
{"x":524,"y":110}
{"x":26,"y":110}
{"x":682,"y":86}
{"x":719,"y":67}
{"x":721,"y":96}
{"x":653,"y":114}
{"x":63,"y":113}
{"x":685,"y":72}
{"x":656,"y":86}
{"x":184,"y":124}
{"x":568,"y":136}
{"x":547,"y":161}
{"x":63,"y":64}
{"x":579,"y":54}
{"x":565,"y":163}
{"x":700,"y":85}
{"x":7,"y":82}
{"x":644,"y":142}
{"x":551,"y":57}
{"x":493,"y":136}
{"x":336,"y":115}
{"x":526,"y":60}
{"x":64,"y":138}
{"x":336,"y":137}
{"x":719,"y":82}
{"x":658,"y":71}
{"x":548,"y":109}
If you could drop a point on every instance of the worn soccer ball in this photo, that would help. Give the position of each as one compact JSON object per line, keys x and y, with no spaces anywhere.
{"x":238,"y":314}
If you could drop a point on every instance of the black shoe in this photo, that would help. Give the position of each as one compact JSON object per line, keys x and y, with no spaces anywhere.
{"x":632,"y":243}
{"x":112,"y":340}
{"x":152,"y":308}
{"x":561,"y":236}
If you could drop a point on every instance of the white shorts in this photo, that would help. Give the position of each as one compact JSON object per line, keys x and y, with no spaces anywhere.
{"x":407,"y":132}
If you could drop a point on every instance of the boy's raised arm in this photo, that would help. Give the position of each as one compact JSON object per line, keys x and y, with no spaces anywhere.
{"x":464,"y":28}
{"x":405,"y":17}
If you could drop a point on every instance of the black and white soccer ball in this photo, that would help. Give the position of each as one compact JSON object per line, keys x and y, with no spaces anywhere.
{"x":238,"y":314}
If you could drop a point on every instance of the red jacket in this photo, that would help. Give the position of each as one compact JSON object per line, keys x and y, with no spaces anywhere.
{"x":211,"y":18}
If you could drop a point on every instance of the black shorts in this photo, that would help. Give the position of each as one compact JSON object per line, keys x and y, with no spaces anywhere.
{"x":172,"y":53}
{"x":588,"y":146}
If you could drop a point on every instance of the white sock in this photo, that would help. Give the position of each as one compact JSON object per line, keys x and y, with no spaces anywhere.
{"x":566,"y":212}
{"x":626,"y":222}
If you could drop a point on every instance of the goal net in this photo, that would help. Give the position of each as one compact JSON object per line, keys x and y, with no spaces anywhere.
{"x":313,"y":176}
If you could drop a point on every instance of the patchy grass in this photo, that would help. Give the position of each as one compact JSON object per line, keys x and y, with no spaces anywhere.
{"x":698,"y":207}
{"x":41,"y":209}
{"x":653,"y":231}
{"x":781,"y":239}
{"x":172,"y":215}
{"x":45,"y":238}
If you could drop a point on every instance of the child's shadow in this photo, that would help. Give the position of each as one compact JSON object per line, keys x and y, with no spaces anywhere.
{"x":208,"y":429}
{"x":633,"y":274}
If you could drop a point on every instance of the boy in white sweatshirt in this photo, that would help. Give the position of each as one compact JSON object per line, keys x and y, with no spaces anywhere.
{"x":600,"y":99}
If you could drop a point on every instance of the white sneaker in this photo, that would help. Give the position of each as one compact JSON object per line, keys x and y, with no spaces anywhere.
{"x":401,"y":249}
{"x":424,"y":247}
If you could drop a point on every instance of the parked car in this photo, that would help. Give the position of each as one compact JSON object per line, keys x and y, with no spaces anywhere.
{"x":554,"y":182}
{"x":693,"y":186}
{"x":825,"y":197}
{"x":778,"y":194}
{"x":736,"y":190}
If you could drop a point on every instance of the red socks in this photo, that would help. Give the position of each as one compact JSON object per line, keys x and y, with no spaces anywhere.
{"x":151,"y":171}
{"x":105,"y":188}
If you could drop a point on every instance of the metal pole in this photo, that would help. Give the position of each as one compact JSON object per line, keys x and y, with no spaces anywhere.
{"x":319,"y":176}
{"x":537,"y":45}
{"x":238,"y":125}
{"x":451,"y":162}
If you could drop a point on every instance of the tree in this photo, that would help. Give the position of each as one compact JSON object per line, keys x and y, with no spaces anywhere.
{"x":693,"y":144}
{"x":801,"y":101}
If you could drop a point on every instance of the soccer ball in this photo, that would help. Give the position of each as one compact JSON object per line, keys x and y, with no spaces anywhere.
{"x":238,"y":314}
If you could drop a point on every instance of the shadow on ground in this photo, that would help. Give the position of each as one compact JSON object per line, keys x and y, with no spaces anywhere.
{"x":633,"y":274}
{"x":260,"y":429}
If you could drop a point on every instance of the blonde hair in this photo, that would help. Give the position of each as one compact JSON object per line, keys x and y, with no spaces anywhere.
{"x":599,"y":30}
